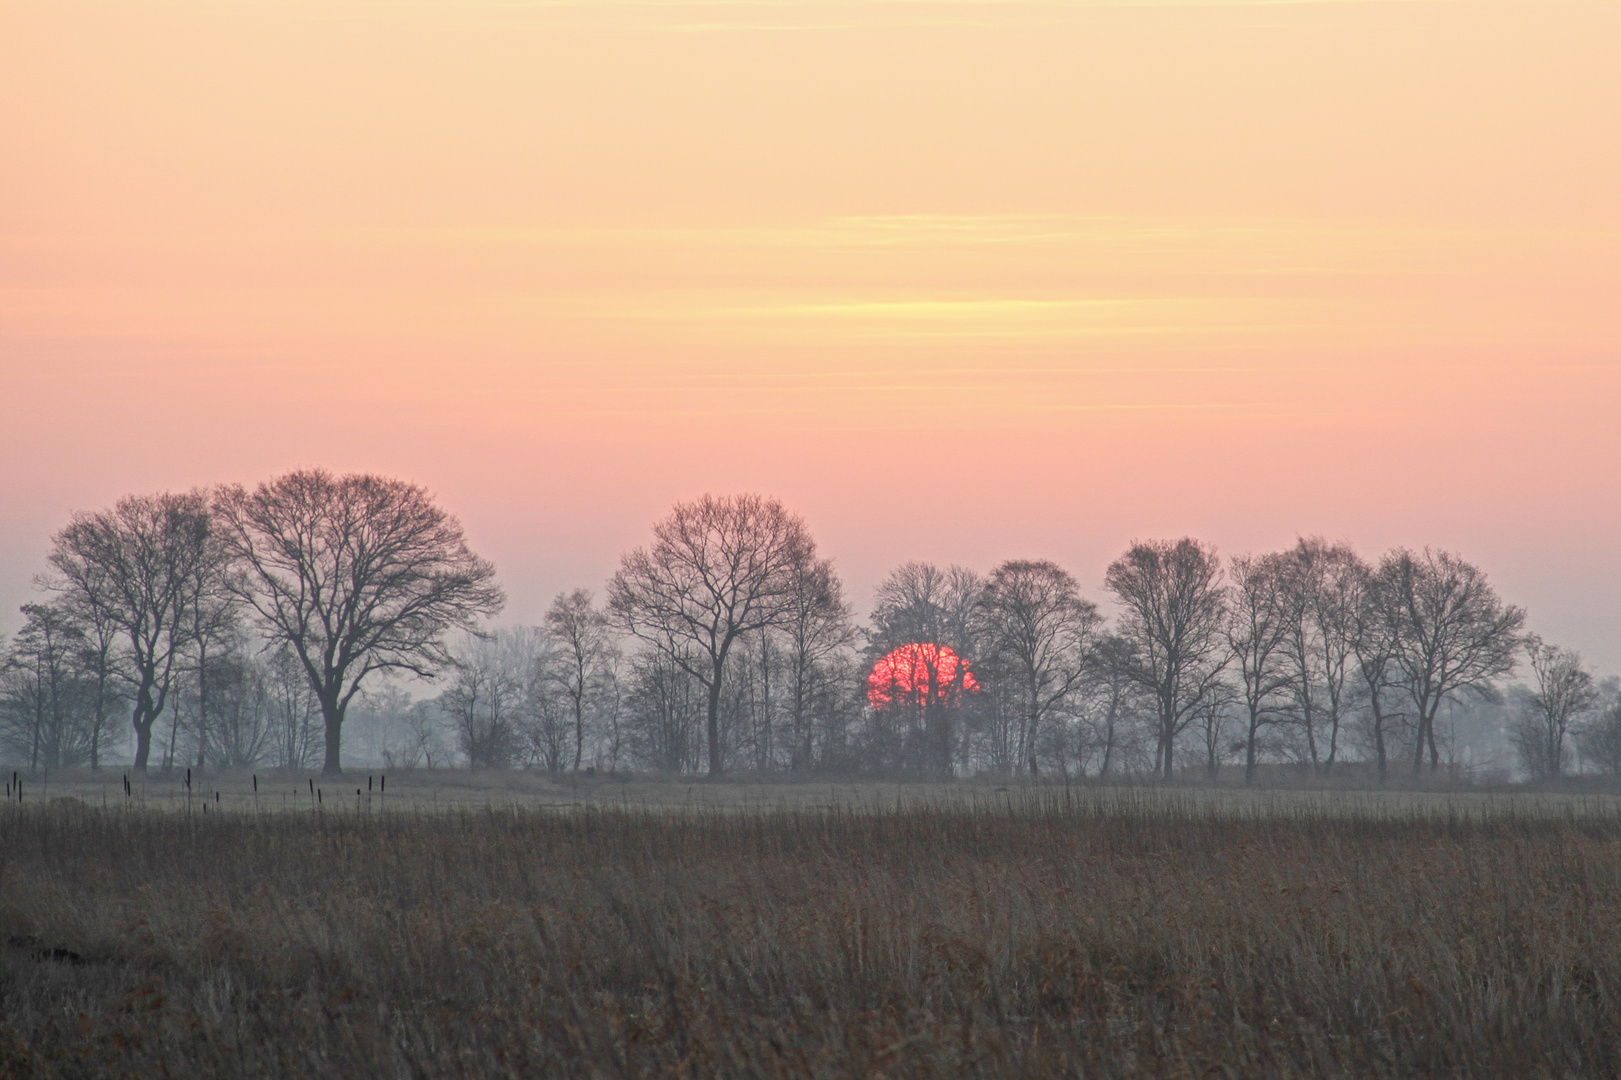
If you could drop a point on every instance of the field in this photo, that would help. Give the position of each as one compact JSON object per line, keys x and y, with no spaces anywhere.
{"x":527,"y":928}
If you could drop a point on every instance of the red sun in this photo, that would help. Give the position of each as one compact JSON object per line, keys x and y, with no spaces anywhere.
{"x":920,"y":674}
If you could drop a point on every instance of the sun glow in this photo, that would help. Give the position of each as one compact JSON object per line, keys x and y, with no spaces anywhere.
{"x":919,"y":675}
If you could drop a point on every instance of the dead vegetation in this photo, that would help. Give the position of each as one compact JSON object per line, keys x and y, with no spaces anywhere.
{"x":1035,"y":935}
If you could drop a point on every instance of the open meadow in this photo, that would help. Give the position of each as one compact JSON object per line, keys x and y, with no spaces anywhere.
{"x":814,"y":930}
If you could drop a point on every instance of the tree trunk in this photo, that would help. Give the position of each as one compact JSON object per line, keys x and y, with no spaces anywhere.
{"x":143,"y":743}
{"x":142,"y":721}
{"x":1108,"y":743}
{"x":33,"y":745}
{"x":579,"y":729}
{"x":202,"y":708}
{"x":712,"y":726}
{"x":1030,"y":737}
{"x":1418,"y":744}
{"x":1379,"y":740}
{"x":1167,"y":739}
{"x":333,"y":717}
{"x":101,"y":724}
{"x":802,"y":737}
{"x":1249,"y":746}
{"x":938,"y":736}
{"x":1333,"y":741}
{"x":1311,"y":736}
{"x":174,"y":740}
{"x":765,"y":748}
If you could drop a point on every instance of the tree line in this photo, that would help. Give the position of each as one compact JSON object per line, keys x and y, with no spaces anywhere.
{"x":284,"y":599}
{"x":241,"y":627}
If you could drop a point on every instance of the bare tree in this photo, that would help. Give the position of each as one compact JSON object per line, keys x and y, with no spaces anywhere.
{"x":921,"y":603}
{"x":140,"y":568}
{"x":1043,"y":632}
{"x":1212,"y":719}
{"x":817,"y":628}
{"x":755,"y":679}
{"x":214,"y":631}
{"x":226,"y":703}
{"x":1258,"y":624}
{"x":42,"y":689}
{"x":1319,"y":587}
{"x":1113,"y":700}
{"x":1600,"y":736}
{"x":98,"y":659}
{"x":486,"y":700}
{"x":665,"y":707}
{"x":1451,"y":632}
{"x":422,"y":741}
{"x":1174,"y":607}
{"x":295,"y":713}
{"x":356,"y":574}
{"x":548,"y":732}
{"x":1374,"y":646}
{"x":1563,"y":693}
{"x":934,"y":614}
{"x":582,"y":657}
{"x":719,"y":568}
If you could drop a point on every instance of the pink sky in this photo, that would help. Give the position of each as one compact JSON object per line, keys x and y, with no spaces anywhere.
{"x":958,"y":281}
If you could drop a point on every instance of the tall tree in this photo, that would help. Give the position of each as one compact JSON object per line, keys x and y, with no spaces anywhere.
{"x":1600,"y":738}
{"x":224,"y":705}
{"x":356,"y":575}
{"x":934,"y":614}
{"x":1043,"y":632}
{"x":1451,"y":633}
{"x":41,"y":688}
{"x":1113,"y":698}
{"x":240,"y":731}
{"x":1374,"y":647}
{"x":1257,"y":627}
{"x":817,"y":628}
{"x":493,"y":687}
{"x":294,"y":712}
{"x":719,"y":568}
{"x":139,"y":568}
{"x":1562,"y":694}
{"x":921,"y":603}
{"x":1319,"y":586}
{"x":665,"y":713}
{"x":1173,"y":611}
{"x":98,"y":660}
{"x":1211,"y":720}
{"x":214,"y":631}
{"x":582,"y":655}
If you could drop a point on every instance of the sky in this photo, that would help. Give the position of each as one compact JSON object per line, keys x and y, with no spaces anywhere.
{"x":957,"y":281}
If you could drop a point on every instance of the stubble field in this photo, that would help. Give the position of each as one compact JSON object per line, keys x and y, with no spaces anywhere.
{"x":740,"y":930}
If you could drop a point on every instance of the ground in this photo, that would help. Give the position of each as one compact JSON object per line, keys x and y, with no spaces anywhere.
{"x":508,"y":924}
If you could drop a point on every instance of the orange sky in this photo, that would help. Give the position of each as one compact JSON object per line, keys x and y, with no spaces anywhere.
{"x":959,"y":281}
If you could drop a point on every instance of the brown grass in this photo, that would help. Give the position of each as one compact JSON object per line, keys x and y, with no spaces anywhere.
{"x":1034,"y":934}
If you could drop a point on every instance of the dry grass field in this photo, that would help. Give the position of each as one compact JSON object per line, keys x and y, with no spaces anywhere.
{"x":709,"y":930}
